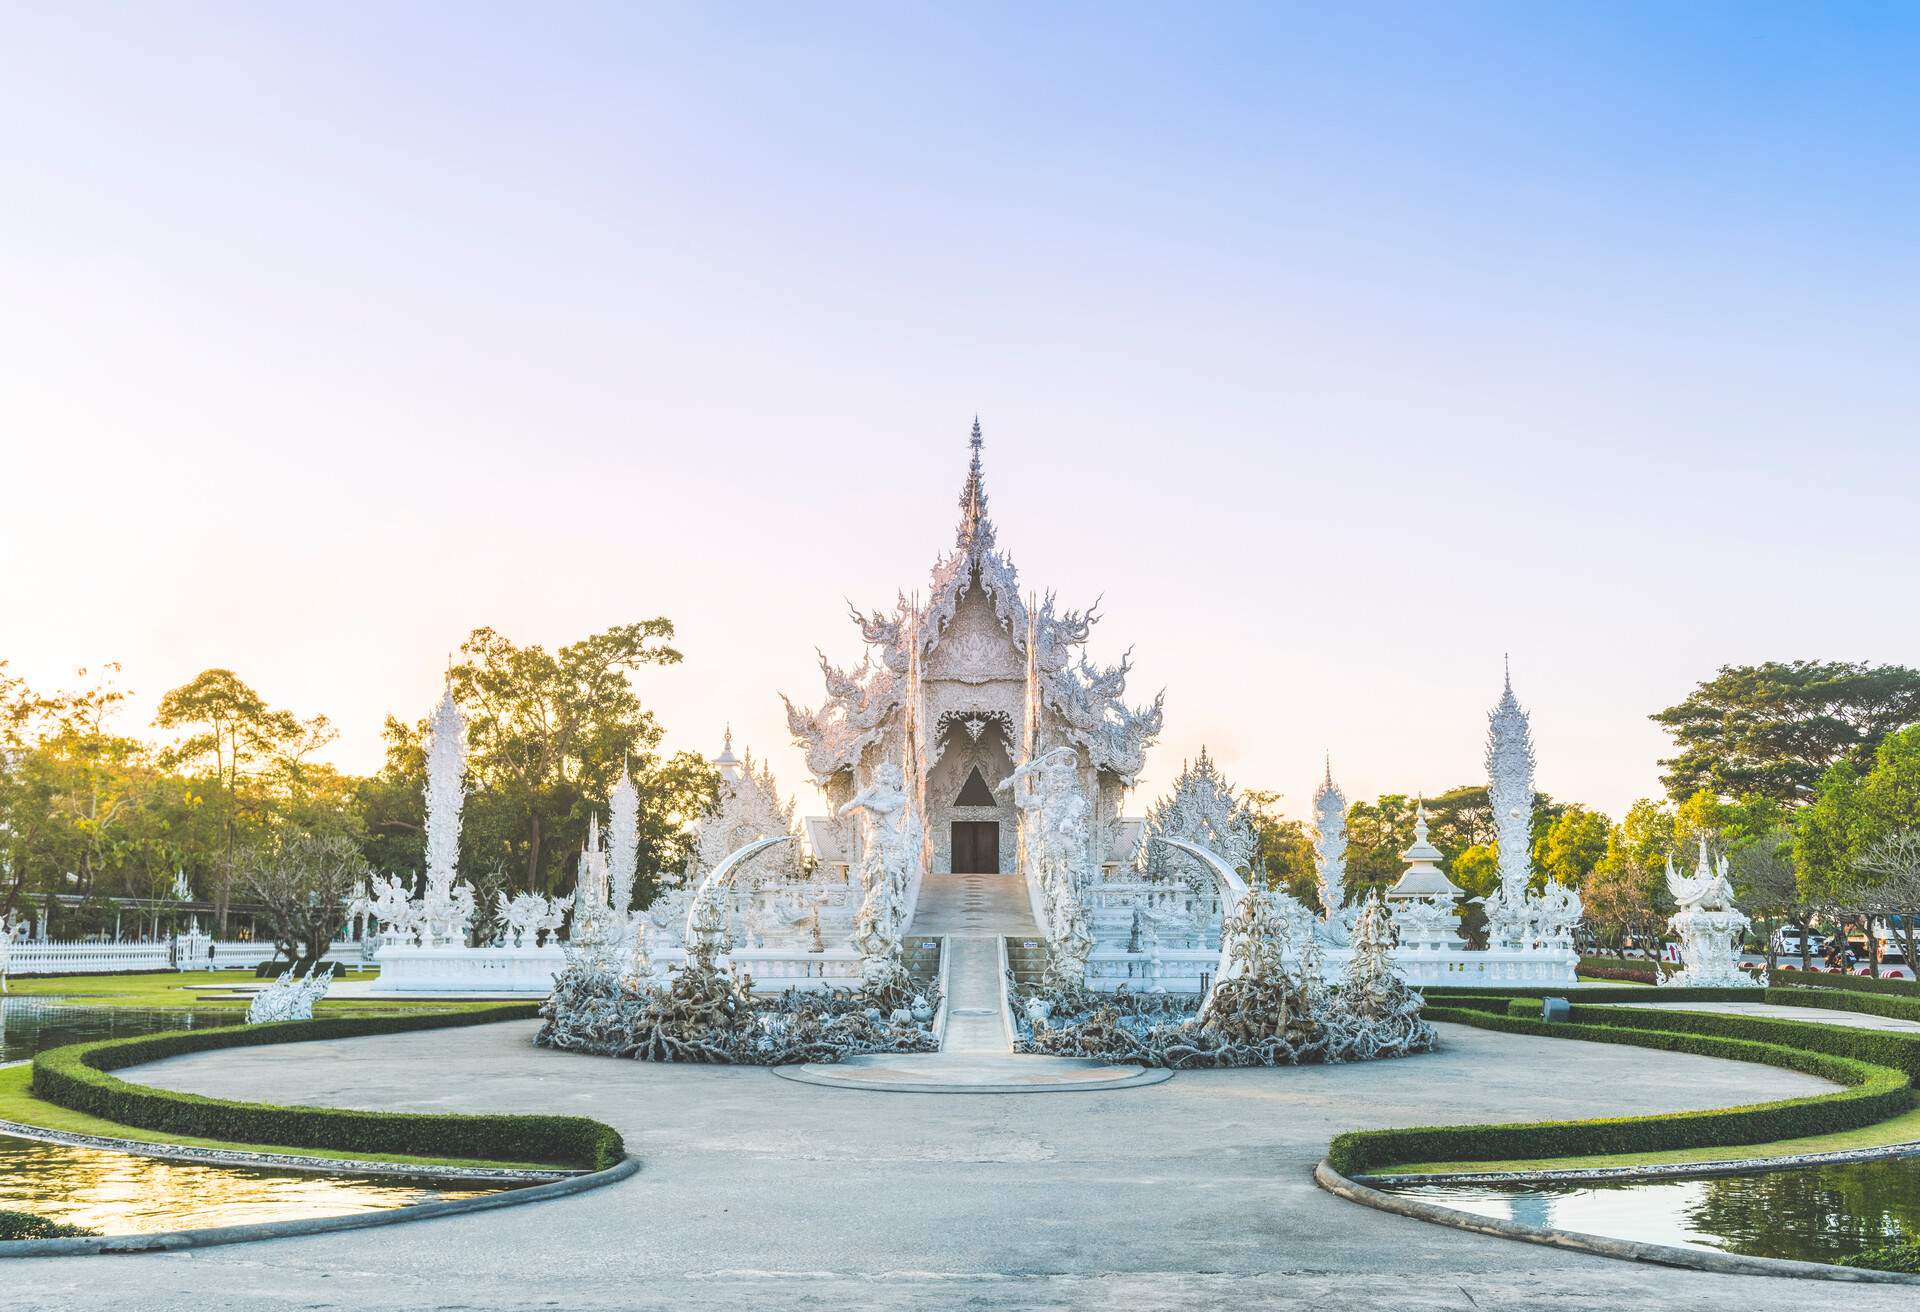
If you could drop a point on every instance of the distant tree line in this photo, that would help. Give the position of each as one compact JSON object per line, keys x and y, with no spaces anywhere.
{"x":229,"y":795}
{"x":1804,"y":774}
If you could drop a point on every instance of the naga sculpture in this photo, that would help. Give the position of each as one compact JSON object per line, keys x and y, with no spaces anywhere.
{"x":291,"y":997}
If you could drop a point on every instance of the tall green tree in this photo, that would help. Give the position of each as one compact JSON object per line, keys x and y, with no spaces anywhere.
{"x":1575,"y":842}
{"x":547,"y":735}
{"x":246,"y":751}
{"x":1284,"y":854}
{"x":1774,"y":729}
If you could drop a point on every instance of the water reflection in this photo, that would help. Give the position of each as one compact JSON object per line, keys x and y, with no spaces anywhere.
{"x":115,"y":1193}
{"x":30,"y":1025}
{"x":1814,"y":1214}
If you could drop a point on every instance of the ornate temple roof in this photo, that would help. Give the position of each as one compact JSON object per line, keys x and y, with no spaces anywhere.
{"x":1085,"y":697}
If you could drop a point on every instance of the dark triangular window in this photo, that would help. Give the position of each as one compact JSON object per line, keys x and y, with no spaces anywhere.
{"x":976,"y":792}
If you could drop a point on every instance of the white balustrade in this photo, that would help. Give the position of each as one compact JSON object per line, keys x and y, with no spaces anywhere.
{"x":529,"y":972}
{"x":31,"y":958}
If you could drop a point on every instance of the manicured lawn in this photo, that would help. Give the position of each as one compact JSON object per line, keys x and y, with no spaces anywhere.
{"x":169,"y":990}
{"x":17,"y":1103}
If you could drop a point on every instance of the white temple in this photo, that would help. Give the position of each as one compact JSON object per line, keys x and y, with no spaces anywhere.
{"x":959,"y":691}
{"x":976,"y":753}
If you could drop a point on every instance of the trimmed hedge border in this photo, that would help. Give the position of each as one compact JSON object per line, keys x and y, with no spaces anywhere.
{"x":1786,"y":995}
{"x":77,"y":1077}
{"x":1905,"y":988}
{"x":1875,"y":1047}
{"x":1876,"y":1090}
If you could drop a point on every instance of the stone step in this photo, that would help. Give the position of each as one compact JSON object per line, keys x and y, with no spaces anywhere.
{"x":1027,"y":959}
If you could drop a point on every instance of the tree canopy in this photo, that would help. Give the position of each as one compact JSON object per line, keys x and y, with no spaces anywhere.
{"x":1774,"y":729}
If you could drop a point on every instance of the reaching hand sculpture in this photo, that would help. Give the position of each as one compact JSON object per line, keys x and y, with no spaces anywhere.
{"x":1046,"y":789}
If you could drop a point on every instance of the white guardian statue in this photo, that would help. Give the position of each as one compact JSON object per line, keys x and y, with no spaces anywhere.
{"x":1710,"y":928}
{"x":1054,"y":819}
{"x":890,"y":850}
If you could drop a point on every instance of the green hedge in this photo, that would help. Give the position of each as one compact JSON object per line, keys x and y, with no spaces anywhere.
{"x":1870,"y":1004}
{"x":1875,"y":1047}
{"x":77,"y":1077}
{"x":1875,"y":1091}
{"x":1854,"y":983}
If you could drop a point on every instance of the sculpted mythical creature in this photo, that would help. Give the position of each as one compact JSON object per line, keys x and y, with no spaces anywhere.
{"x":291,"y":997}
{"x":389,"y":902}
{"x":890,"y":847}
{"x":1710,"y":927}
{"x":1046,"y":789}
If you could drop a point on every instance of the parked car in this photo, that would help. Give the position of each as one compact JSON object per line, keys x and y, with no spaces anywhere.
{"x":1786,"y":942}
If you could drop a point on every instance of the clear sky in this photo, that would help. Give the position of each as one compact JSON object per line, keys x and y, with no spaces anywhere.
{"x":1342,"y":348}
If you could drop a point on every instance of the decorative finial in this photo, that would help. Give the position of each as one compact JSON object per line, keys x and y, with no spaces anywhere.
{"x":976,"y":530}
{"x":728,"y":745}
{"x":1506,"y":665}
{"x":1420,"y":821}
{"x":1329,"y":777}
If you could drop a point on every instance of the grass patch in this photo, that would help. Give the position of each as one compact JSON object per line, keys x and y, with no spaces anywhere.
{"x":1904,"y":1128}
{"x":172,"y":990}
{"x":1874,"y":1069}
{"x":80,"y":1077}
{"x":17,"y":1103}
{"x":25,"y":1225}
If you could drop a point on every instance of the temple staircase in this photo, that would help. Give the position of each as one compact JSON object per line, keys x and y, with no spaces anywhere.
{"x":974,"y":912}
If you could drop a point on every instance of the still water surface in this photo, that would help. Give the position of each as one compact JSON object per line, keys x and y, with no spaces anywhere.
{"x":116,"y":1193}
{"x":1814,"y":1214}
{"x":30,"y":1025}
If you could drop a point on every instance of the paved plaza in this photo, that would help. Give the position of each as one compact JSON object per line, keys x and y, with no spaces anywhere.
{"x":761,"y":1192}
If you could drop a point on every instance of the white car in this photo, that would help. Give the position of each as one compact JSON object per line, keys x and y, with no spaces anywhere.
{"x":1786,"y":942}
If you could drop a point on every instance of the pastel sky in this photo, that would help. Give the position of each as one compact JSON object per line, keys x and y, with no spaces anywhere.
{"x":1341,"y":348}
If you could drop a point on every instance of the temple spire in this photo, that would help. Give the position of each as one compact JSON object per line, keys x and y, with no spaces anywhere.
{"x":976,"y":530}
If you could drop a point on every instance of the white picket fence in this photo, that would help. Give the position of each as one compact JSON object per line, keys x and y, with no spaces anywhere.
{"x":31,"y":958}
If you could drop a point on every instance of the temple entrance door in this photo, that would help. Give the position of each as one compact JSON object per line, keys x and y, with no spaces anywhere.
{"x":976,"y":847}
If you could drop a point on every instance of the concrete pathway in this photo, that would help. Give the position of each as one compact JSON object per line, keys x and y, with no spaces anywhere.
{"x":1191,"y":1195}
{"x":1774,"y":1011}
{"x":974,"y":912}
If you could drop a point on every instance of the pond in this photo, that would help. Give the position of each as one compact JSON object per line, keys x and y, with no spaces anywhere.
{"x":30,"y":1025}
{"x":1813,"y":1214}
{"x":117,"y":1193}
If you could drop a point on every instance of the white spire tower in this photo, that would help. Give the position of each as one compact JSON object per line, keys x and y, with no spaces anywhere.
{"x":1510,"y":790}
{"x":1330,"y":841}
{"x":623,"y":839}
{"x":445,"y":793}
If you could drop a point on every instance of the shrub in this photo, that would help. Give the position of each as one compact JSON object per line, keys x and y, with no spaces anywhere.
{"x":1856,"y":983}
{"x":25,"y":1225}
{"x":1875,"y":1091}
{"x":1904,"y":1256}
{"x":77,"y":1077}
